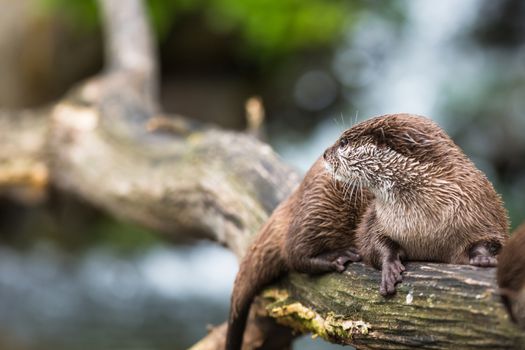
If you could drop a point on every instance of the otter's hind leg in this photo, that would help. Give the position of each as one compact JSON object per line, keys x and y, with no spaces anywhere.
{"x":325,"y":262}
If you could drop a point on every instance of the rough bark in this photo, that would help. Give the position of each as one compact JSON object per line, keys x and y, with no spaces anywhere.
{"x":104,"y":142}
{"x":437,"y":306}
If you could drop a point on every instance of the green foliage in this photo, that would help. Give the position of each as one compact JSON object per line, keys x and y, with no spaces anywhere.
{"x":268,"y":28}
{"x":164,"y":12}
{"x":276,"y":27}
{"x":84,"y":13}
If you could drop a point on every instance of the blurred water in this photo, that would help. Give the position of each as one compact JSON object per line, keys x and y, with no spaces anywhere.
{"x":160,"y":299}
{"x":388,"y":70}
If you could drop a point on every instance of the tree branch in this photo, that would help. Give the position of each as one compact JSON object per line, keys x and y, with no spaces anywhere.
{"x":437,"y":306}
{"x":197,"y":181}
{"x":129,"y":43}
{"x":197,"y":185}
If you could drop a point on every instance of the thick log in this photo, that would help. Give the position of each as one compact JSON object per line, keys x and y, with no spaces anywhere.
{"x":437,"y":306}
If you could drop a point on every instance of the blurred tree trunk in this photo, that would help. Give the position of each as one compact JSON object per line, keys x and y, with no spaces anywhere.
{"x":36,"y":51}
{"x":107,"y":142}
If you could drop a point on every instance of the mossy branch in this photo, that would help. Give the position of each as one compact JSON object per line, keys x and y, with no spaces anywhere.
{"x":437,"y":306}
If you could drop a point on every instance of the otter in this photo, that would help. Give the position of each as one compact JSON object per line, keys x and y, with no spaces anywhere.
{"x":313,"y":231}
{"x":391,"y":189}
{"x":430,"y":202}
{"x":511,"y":275}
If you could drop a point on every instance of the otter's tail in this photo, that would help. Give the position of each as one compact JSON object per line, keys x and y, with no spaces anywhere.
{"x":260,"y":266}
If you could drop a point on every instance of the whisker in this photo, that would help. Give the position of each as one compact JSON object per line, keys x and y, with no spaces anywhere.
{"x":352,"y":187}
{"x":336,"y":122}
{"x":344,"y":190}
{"x":350,"y":190}
{"x":334,"y":171}
{"x":355,"y":197}
{"x":354,"y":194}
{"x":360,"y":192}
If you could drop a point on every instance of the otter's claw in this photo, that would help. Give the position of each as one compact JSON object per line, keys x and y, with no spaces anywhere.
{"x":483,"y":254}
{"x":353,"y":255}
{"x":390,"y":276}
{"x":483,"y":261}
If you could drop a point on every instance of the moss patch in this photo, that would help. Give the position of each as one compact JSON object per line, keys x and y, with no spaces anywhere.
{"x":294,"y":314}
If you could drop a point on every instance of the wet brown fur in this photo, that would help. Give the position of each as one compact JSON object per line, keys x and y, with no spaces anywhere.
{"x":410,"y":195}
{"x":511,"y":275}
{"x":313,"y":231}
{"x":431,"y":202}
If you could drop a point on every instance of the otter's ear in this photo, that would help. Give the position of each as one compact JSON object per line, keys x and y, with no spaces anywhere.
{"x":417,"y":138}
{"x":406,"y":142}
{"x":394,"y":139}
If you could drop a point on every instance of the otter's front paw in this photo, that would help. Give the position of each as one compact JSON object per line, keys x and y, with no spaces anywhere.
{"x":390,"y":276}
{"x":484,"y":254}
{"x":483,"y":261}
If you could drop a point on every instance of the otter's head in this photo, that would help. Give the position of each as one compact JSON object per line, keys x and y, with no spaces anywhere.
{"x":390,"y":153}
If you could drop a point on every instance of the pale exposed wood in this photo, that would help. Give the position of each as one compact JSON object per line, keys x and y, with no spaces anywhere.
{"x":24,"y":171}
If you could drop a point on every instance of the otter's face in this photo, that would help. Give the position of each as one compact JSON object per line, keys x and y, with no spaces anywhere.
{"x":388,"y":153}
{"x":349,"y":161}
{"x":361,"y":161}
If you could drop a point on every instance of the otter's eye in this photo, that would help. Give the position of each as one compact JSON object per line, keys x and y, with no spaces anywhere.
{"x":343,"y":143}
